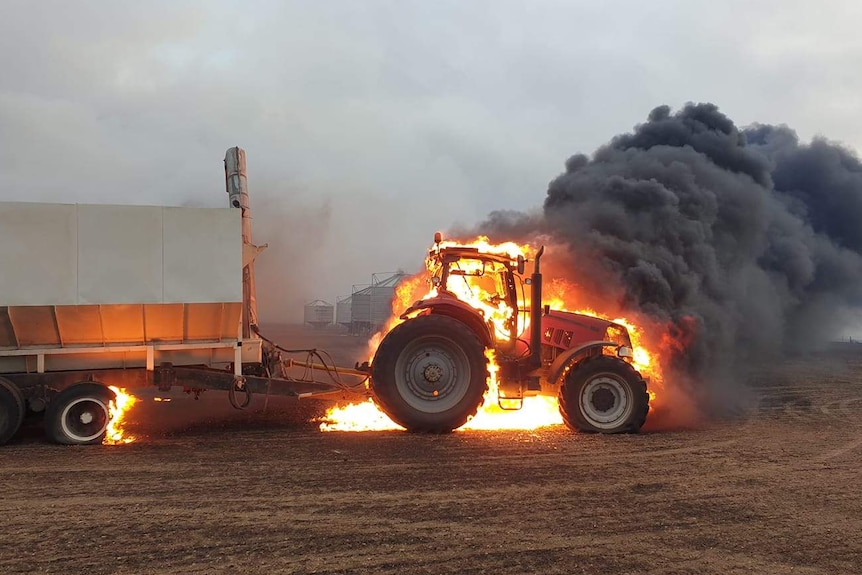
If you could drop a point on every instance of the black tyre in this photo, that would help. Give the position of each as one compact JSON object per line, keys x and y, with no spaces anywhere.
{"x":604,"y":394}
{"x":11,"y":410}
{"x":79,"y":415}
{"x":430,"y":374}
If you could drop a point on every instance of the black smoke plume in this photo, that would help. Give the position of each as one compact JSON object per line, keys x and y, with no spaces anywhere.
{"x":745,"y":242}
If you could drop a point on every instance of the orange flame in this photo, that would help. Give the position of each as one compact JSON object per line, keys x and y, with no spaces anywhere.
{"x":365,"y":416}
{"x":118,"y":408}
{"x":536,"y":411}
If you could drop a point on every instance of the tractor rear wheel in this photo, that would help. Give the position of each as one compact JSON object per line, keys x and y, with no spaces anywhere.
{"x":11,"y":410}
{"x":604,"y":394}
{"x":79,"y":415}
{"x":430,"y":374}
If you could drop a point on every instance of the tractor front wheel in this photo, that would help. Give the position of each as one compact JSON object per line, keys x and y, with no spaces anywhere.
{"x":604,"y":394}
{"x":430,"y":374}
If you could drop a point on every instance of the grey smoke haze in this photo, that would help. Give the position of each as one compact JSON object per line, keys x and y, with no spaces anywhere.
{"x":370,"y":125}
{"x":746,"y":242}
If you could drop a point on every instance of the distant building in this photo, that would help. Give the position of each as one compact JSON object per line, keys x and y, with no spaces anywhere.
{"x":319,"y":314}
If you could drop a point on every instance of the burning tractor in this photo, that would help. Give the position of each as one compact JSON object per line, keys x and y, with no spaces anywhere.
{"x":430,"y":373}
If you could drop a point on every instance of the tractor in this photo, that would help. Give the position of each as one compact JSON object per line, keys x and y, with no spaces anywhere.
{"x":430,"y":372}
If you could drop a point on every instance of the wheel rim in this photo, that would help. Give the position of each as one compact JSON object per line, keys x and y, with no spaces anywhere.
{"x":605,"y":401}
{"x":85,"y":419}
{"x":432,"y":374}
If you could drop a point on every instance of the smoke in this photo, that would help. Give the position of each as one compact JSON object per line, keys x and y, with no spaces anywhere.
{"x":297,"y":241}
{"x":743,"y":244}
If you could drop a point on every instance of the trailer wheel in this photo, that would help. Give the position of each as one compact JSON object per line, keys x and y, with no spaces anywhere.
{"x":11,"y":410}
{"x":604,"y":394}
{"x":430,"y":374}
{"x":79,"y":415}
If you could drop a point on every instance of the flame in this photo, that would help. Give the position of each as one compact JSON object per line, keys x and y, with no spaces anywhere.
{"x":118,"y":409}
{"x":484,"y":246}
{"x":363,"y":416}
{"x":535,"y":411}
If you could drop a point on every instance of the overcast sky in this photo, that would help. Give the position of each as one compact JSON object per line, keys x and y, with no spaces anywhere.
{"x":369,"y":125}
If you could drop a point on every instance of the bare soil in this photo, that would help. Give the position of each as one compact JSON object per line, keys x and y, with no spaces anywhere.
{"x":205,"y":490}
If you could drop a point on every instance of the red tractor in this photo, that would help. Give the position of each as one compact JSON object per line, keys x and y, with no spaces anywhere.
{"x":430,"y":372}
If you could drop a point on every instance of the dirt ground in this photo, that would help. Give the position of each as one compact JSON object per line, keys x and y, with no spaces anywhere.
{"x":205,"y":490}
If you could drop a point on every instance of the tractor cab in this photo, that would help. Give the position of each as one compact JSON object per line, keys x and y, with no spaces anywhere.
{"x":489,"y":282}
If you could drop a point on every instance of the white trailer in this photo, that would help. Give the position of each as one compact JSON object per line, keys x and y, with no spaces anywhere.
{"x":93,"y":296}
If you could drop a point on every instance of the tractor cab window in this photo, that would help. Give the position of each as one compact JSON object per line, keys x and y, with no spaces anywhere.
{"x":482,"y":280}
{"x":482,"y":284}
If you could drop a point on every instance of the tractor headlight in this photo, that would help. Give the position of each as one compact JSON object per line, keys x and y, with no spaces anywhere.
{"x":625,"y":352}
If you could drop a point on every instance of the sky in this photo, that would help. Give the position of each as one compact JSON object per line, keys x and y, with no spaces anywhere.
{"x":369,"y":125}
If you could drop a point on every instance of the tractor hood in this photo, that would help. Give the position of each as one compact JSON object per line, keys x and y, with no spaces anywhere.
{"x":563,"y":329}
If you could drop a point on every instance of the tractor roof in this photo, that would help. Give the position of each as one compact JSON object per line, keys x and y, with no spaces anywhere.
{"x":455,"y":252}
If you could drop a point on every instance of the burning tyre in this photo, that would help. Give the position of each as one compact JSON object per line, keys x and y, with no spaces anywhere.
{"x":604,"y":394}
{"x":430,"y":374}
{"x":79,"y":415}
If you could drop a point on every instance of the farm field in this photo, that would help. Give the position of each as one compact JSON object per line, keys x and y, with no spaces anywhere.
{"x":206,"y":489}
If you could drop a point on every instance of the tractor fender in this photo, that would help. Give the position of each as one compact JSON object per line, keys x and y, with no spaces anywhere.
{"x":573,"y":355}
{"x":456,"y":309}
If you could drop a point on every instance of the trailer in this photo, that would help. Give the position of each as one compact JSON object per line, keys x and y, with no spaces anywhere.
{"x":126,"y":296}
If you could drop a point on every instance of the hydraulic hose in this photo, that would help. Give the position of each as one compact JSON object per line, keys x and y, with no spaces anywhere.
{"x":239,"y":385}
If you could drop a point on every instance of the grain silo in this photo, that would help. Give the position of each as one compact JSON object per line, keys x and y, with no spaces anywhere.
{"x":319,"y":313}
{"x":371,"y":306}
{"x":342,"y":311}
{"x":360,"y":309}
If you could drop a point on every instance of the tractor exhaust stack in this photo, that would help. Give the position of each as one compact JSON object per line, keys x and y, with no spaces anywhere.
{"x":536,"y":313}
